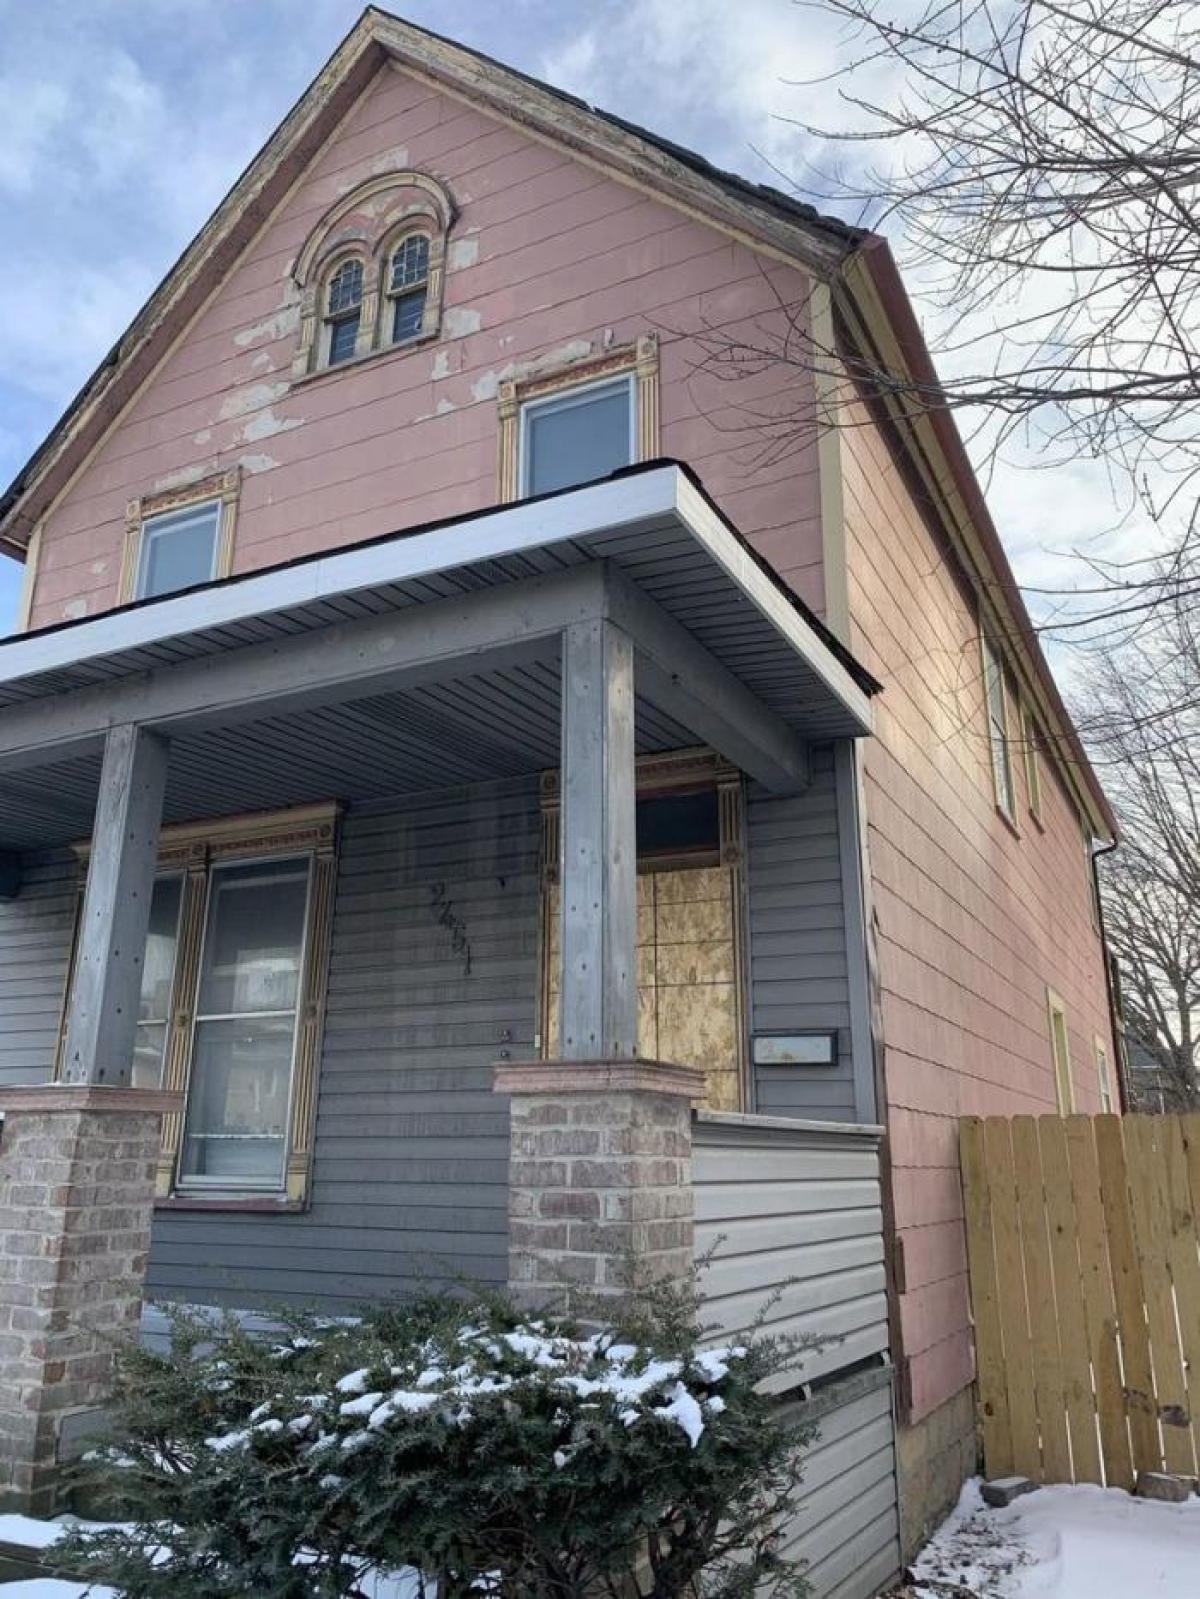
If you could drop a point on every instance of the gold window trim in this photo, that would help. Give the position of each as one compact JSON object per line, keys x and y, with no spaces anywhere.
{"x":223,"y":487}
{"x":640,"y":358}
{"x":192,"y":849}
{"x":679,"y":771}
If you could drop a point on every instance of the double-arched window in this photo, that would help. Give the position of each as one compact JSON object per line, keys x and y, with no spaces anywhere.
{"x":371,"y":273}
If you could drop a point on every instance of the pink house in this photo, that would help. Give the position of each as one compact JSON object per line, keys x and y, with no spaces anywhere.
{"x":482,"y":710}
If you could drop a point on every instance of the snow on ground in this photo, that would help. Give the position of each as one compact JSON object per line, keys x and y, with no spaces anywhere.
{"x":1063,"y":1543}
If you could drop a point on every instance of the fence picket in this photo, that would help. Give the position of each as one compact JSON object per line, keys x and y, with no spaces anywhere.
{"x":1099,"y":1305}
{"x":985,"y":1305}
{"x":1010,"y":1281}
{"x":1047,"y":1368}
{"x":1079,"y":1350}
{"x":1184,"y":1261}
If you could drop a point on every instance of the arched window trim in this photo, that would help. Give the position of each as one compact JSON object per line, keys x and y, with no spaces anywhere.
{"x":422,"y":206}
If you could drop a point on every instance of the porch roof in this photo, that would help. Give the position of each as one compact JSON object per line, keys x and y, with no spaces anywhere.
{"x":426,"y":658}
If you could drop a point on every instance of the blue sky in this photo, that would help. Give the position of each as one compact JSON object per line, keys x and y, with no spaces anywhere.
{"x":123,"y":122}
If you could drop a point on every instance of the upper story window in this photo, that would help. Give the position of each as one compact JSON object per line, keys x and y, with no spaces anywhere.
{"x":179,"y":549}
{"x":1060,"y":1053}
{"x":577,"y":436}
{"x":343,"y":311}
{"x":408,"y":286}
{"x":996,"y":694}
{"x":372,"y":271}
{"x":178,"y":538}
{"x":1031,"y":749}
{"x":581,"y":422}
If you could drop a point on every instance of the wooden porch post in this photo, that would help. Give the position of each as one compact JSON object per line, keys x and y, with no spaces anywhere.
{"x":599,"y":845}
{"x":116,"y":909}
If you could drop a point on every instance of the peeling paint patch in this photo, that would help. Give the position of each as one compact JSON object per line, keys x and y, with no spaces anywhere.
{"x":573,"y":350}
{"x":202,"y":437}
{"x":256,"y":463}
{"x":98,"y":568}
{"x":74,"y":609}
{"x":266,"y":425}
{"x":486,"y":387}
{"x":262,"y":361}
{"x":251,"y":398}
{"x":461,"y":320}
{"x":462,"y":253}
{"x":182,"y":476}
{"x":443,"y":406}
{"x":441,"y":366}
{"x":274,"y":326}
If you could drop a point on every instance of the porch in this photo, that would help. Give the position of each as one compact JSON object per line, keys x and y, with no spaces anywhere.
{"x":443,"y":737}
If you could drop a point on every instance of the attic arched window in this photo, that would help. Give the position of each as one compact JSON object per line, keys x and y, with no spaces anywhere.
{"x":407,"y":291}
{"x":343,"y":311}
{"x":371,"y":272}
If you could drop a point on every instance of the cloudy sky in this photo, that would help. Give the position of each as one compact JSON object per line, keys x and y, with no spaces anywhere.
{"x":123,"y":122}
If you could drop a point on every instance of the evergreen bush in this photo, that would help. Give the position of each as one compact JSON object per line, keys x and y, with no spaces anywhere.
{"x":506,"y":1458}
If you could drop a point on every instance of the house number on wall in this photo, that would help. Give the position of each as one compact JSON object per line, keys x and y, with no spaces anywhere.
{"x":448,"y":918}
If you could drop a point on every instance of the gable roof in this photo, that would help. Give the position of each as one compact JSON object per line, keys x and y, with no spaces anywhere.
{"x":857,"y":261}
{"x":756,"y":212}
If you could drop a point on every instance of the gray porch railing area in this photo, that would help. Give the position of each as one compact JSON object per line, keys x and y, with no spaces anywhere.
{"x":789,"y":1215}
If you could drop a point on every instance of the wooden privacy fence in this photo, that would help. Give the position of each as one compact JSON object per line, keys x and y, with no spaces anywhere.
{"x":1084,"y":1249}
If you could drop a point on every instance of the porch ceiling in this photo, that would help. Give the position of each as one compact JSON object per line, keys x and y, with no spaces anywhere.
{"x":305,"y":681}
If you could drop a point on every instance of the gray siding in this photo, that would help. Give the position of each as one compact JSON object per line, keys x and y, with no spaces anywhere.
{"x":411,"y":1157}
{"x":847,"y":1528}
{"x":793,"y":1211}
{"x":797,"y":937}
{"x":36,"y":930}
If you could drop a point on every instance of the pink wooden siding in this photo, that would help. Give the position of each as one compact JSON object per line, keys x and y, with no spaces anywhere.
{"x":546,"y":256}
{"x":973,"y":921}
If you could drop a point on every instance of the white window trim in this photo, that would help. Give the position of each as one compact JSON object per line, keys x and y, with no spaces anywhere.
{"x":179,"y":513}
{"x":567,"y":399}
{"x":1064,"y":1082}
{"x":994,"y":660}
{"x":1104,"y":1074}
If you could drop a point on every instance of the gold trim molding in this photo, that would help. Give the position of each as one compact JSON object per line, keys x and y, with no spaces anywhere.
{"x":640,"y":358}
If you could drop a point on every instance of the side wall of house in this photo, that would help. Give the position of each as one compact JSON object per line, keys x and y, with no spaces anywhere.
{"x":410,"y":1175}
{"x":974,"y":919}
{"x":36,"y":930}
{"x":548,"y":261}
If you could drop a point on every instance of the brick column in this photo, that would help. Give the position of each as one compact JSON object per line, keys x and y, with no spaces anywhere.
{"x":77,"y":1166}
{"x":600,"y":1175}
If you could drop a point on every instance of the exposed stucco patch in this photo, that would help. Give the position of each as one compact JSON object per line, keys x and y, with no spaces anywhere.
{"x":252,"y":398}
{"x":443,"y":406}
{"x":441,"y":365}
{"x":182,"y":476}
{"x":461,"y":320}
{"x":74,"y":609}
{"x":202,"y":437}
{"x":257,"y":463}
{"x":275,"y":326}
{"x":486,"y":386}
{"x":462,"y":253}
{"x":266,"y":425}
{"x":98,"y":568}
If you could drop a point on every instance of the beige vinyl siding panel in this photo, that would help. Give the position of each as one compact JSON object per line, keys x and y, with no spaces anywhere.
{"x":797,"y":942}
{"x":797,"y":1211}
{"x":411,"y":1162}
{"x":36,"y":930}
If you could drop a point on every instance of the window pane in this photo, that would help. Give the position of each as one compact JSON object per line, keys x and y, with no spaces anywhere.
{"x":149,"y":1049}
{"x":342,"y":338}
{"x":255,"y":934}
{"x":408,"y":315}
{"x":670,"y":824}
{"x":410,"y":264}
{"x":345,"y":286}
{"x":178,"y":550}
{"x":578,"y":439}
{"x":236,"y":1131}
{"x":158,"y":968}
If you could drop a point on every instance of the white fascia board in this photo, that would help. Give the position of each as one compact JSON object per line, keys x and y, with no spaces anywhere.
{"x":509,"y":530}
{"x":710,"y":532}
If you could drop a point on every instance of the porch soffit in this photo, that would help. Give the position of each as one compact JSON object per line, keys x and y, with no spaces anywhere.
{"x":236,"y":670}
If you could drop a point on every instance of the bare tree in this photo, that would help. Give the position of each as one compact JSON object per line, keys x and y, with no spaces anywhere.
{"x":1142,"y":717}
{"x":1037,"y":163}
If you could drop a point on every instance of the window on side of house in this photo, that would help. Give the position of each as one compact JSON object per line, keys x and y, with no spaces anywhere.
{"x":1089,"y":866}
{"x":178,"y":549}
{"x":996,"y":695}
{"x":1031,"y":752}
{"x":407,"y":287}
{"x":577,"y":436}
{"x":156,"y":1007}
{"x":1060,"y":1051}
{"x":1104,"y":1078}
{"x":343,"y":311}
{"x":244,"y":1032}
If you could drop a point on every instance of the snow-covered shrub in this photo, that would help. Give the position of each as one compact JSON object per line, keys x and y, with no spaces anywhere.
{"x":514,"y":1459}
